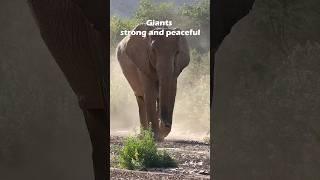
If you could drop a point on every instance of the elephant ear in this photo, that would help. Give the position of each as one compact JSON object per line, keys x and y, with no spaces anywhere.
{"x":138,"y":47}
{"x":183,"y":56}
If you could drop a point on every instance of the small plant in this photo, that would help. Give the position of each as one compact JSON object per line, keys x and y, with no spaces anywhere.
{"x":141,"y":152}
{"x":206,"y":139}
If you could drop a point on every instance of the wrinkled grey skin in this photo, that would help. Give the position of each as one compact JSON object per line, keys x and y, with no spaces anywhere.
{"x":152,"y":65}
{"x":75,"y":34}
{"x":258,"y":137}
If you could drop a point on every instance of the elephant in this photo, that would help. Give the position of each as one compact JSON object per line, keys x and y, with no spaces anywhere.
{"x":226,"y":13}
{"x":152,"y":65}
{"x":75,"y":32}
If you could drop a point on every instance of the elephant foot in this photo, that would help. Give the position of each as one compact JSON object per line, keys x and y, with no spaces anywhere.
{"x":159,"y":133}
{"x":165,"y":129}
{"x":155,"y":133}
{"x":158,"y":138}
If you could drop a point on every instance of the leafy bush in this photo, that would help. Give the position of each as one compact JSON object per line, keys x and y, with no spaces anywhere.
{"x":206,"y":139}
{"x":199,"y":13}
{"x":117,"y":25}
{"x":192,"y":16}
{"x":141,"y":152}
{"x":148,"y":9}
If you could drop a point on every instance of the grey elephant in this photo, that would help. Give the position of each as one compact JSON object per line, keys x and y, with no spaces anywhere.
{"x":75,"y":32}
{"x":152,"y":65}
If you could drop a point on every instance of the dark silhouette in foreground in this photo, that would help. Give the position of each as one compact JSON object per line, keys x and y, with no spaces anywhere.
{"x":75,"y":32}
{"x":226,"y":13}
{"x":264,"y":128}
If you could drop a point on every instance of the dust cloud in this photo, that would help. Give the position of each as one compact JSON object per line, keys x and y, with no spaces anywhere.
{"x":191,"y":118}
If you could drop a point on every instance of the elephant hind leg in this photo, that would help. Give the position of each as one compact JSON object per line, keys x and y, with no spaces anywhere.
{"x":142,"y":113}
{"x":96,"y":120}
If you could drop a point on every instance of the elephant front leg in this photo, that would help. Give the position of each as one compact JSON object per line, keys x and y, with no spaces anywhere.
{"x":150,"y":97}
{"x":158,"y":108}
{"x":142,"y":113}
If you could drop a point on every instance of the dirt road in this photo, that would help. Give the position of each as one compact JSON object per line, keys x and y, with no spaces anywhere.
{"x":193,"y":160}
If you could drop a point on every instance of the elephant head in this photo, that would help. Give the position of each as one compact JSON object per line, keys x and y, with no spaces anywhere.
{"x":161,"y":59}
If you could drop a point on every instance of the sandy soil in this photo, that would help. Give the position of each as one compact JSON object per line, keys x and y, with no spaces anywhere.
{"x":193,"y":158}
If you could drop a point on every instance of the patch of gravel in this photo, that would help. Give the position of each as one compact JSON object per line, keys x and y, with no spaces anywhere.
{"x":142,"y":175}
{"x":193,"y":160}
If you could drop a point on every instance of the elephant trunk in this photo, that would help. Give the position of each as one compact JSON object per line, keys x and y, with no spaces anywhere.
{"x":167,"y":96}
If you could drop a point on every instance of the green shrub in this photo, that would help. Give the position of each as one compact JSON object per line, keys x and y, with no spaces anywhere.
{"x":206,"y":139}
{"x":149,"y":9}
{"x":141,"y":152}
{"x":116,"y":26}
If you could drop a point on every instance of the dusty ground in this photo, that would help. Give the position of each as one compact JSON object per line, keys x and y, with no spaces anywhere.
{"x":192,"y":158}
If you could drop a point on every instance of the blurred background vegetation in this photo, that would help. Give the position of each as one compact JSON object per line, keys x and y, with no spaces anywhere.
{"x":192,"y":15}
